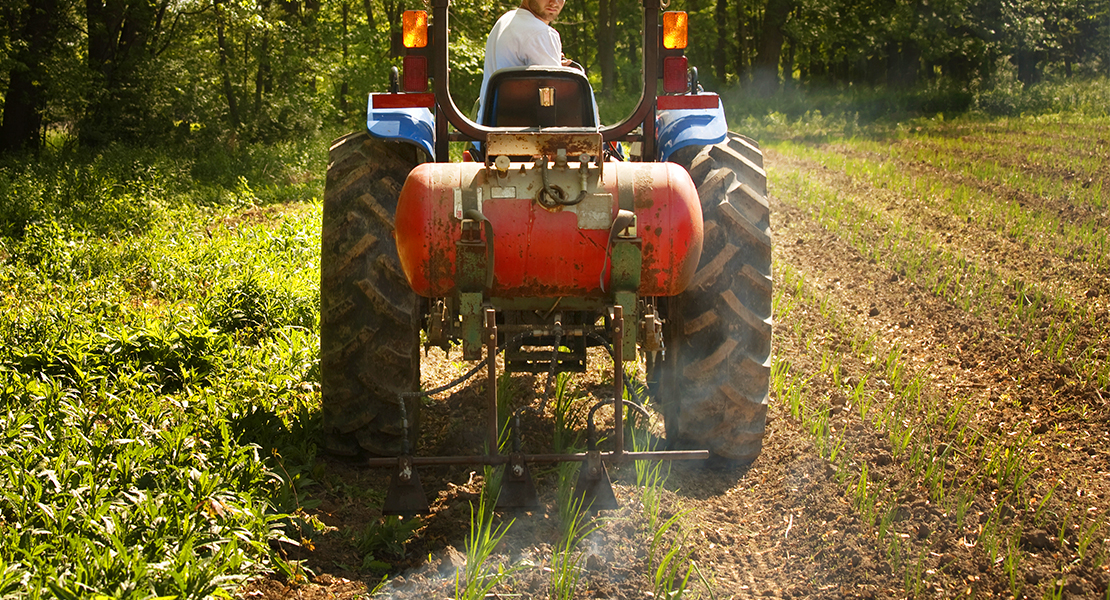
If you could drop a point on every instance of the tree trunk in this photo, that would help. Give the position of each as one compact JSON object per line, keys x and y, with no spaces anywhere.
{"x":1028,"y":65}
{"x":766,"y":63}
{"x":225,"y":73}
{"x":720,"y":60}
{"x":903,"y":64}
{"x":119,"y":38}
{"x":788,"y":64}
{"x":741,"y":40}
{"x":262,"y":76}
{"x":344,"y":88}
{"x":606,"y":46}
{"x":25,"y":99}
{"x":369,"y":9}
{"x":23,"y":107}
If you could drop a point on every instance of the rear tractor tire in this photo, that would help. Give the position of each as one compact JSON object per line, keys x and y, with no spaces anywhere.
{"x":369,"y":316}
{"x":717,"y":365}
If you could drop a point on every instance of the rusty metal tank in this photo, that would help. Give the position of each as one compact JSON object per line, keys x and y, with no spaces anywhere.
{"x":553,"y":243}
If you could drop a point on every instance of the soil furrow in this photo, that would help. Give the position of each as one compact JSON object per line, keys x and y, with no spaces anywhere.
{"x":967,"y":361}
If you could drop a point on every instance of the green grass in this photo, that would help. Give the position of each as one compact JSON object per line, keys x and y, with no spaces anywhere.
{"x":158,"y":377}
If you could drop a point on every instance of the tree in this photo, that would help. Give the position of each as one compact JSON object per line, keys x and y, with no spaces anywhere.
{"x":38,"y":24}
{"x":607,"y":45}
{"x":766,"y":63}
{"x":123,"y":38}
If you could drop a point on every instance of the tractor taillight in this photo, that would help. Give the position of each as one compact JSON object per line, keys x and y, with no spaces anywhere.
{"x":416,"y":74}
{"x":674,"y":30}
{"x":674,"y":75}
{"x":415,"y":28}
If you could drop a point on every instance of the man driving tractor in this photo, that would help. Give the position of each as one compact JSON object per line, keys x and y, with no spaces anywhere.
{"x":523,"y":37}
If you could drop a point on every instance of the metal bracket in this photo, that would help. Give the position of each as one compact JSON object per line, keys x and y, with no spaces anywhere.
{"x":517,"y":489}
{"x":594,"y":490}
{"x":405,"y":496}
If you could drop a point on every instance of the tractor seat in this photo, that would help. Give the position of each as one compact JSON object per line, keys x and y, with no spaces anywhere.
{"x":539,"y":97}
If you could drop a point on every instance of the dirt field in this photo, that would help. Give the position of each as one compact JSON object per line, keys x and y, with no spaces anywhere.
{"x":940,"y":416}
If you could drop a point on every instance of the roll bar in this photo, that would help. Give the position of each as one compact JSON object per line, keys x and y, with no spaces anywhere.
{"x":448,"y":112}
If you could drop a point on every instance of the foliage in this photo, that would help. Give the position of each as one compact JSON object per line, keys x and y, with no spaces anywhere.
{"x":153,"y":72}
{"x":385,"y":538}
{"x":818,"y":116}
{"x":157,"y":395}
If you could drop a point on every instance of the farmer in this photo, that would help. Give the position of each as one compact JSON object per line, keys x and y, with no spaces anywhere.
{"x":523,"y":37}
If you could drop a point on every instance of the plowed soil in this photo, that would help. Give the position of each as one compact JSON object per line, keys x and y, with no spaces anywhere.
{"x":988,"y":475}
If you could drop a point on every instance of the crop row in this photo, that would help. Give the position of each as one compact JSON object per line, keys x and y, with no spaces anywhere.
{"x":986,"y":489}
{"x":1015,"y":304}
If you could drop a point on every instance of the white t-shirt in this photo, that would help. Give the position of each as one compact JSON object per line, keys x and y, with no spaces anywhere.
{"x":520,"y":39}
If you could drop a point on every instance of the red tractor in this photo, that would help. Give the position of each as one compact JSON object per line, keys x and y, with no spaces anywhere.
{"x":544,"y":247}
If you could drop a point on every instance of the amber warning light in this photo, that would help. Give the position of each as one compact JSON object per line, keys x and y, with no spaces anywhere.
{"x":415,"y":27}
{"x":674,"y":30}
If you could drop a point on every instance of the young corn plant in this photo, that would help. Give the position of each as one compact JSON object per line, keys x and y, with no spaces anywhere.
{"x":475,"y":580}
{"x":1087,"y":534}
{"x":1011,"y":563}
{"x":863,"y":498}
{"x":567,"y":434}
{"x":672,"y":572}
{"x":566,"y":558}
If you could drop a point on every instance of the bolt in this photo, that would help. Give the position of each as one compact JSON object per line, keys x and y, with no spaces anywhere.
{"x":518,"y":470}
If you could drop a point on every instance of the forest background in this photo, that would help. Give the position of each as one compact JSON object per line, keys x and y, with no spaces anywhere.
{"x":157,"y":72}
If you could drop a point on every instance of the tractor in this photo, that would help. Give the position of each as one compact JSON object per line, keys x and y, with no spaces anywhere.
{"x":547,"y":242}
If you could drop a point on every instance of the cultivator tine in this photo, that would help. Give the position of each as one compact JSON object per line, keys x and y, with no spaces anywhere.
{"x":517,"y":489}
{"x":405,"y":496}
{"x":594,"y":491}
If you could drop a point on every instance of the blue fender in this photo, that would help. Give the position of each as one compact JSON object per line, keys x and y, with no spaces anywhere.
{"x":412,"y":125}
{"x":677,"y":128}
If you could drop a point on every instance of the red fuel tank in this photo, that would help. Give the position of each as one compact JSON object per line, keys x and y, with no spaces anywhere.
{"x":549,"y":252}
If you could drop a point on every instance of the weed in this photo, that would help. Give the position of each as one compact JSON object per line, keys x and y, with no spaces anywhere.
{"x":386,"y":537}
{"x":184,"y":437}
